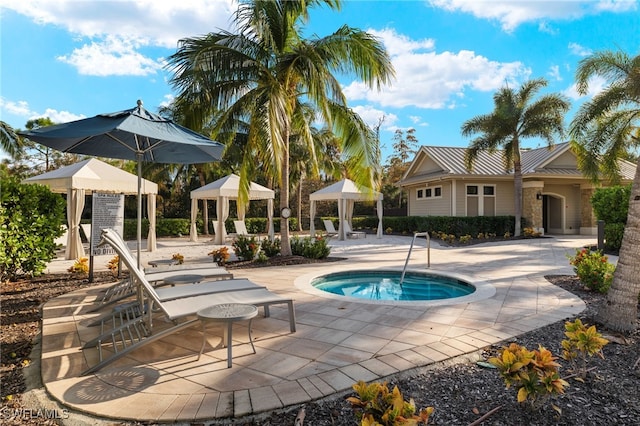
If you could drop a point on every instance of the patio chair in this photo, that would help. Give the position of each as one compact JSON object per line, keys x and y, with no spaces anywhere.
{"x":328,"y":226}
{"x":351,"y":233}
{"x":126,"y":288}
{"x":177,"y":307}
{"x":241,"y":229}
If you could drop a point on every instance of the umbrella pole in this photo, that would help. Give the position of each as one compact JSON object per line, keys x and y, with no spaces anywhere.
{"x":139,"y":225}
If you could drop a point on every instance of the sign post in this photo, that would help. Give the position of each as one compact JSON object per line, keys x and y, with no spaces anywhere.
{"x":107,"y":212}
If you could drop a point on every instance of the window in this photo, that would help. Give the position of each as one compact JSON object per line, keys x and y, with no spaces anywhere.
{"x":432,"y":192}
{"x":420,"y":194}
{"x":437,"y":191}
{"x":481,"y":200}
{"x":428,"y":193}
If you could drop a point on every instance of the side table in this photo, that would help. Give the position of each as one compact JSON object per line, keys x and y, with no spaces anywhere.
{"x":183,"y":279}
{"x":157,"y":262}
{"x":227,"y":313}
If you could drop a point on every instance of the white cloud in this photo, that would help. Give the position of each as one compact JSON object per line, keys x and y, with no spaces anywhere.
{"x":579,"y":50}
{"x":554,"y":72}
{"x":595,"y":86}
{"x":512,"y":13}
{"x":160,"y":22}
{"x":616,"y":5}
{"x":22,"y":109}
{"x":19,"y":108}
{"x":115,"y":34}
{"x":114,"y":56}
{"x":434,"y":80}
{"x":58,"y":116}
{"x":372,"y":116}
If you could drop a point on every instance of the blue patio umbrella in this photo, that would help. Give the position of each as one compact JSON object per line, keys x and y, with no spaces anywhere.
{"x":132,"y":134}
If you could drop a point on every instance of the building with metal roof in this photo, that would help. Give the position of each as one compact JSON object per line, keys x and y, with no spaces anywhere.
{"x":556,"y":196}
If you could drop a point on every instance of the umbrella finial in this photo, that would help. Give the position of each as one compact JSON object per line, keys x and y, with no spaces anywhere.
{"x":139,"y":102}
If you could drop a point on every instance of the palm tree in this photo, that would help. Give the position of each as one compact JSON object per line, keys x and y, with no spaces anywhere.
{"x":9,"y":139}
{"x":604,"y":129}
{"x":516,"y":116}
{"x":265,"y":73}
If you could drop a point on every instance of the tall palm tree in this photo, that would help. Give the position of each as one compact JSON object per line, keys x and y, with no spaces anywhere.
{"x":264,"y":73}
{"x":10,"y":141}
{"x":604,"y":129}
{"x":516,"y":116}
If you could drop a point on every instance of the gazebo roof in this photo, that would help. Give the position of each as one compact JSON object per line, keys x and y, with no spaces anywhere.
{"x":228,"y":186}
{"x":93,"y":175}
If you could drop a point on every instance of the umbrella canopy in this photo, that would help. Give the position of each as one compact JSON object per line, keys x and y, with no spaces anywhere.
{"x":223,"y":190}
{"x":132,"y":134}
{"x":90,"y":176}
{"x":346,"y":193}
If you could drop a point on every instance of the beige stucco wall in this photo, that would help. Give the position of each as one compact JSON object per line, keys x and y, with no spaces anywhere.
{"x":440,"y":206}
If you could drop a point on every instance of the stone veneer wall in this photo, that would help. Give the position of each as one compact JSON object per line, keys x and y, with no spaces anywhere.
{"x":587,"y":217}
{"x":532,"y":207}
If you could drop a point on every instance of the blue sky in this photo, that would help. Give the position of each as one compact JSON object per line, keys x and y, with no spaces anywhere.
{"x":73,"y":59}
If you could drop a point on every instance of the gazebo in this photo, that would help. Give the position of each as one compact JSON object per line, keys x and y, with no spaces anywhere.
{"x":223,"y":190}
{"x":346,"y":193}
{"x":93,"y":175}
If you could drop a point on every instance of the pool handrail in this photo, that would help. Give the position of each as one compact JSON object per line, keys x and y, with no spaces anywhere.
{"x":415,"y":235}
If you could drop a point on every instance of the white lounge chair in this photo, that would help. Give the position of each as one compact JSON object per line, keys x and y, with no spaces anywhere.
{"x":351,"y":233}
{"x":178,"y":305}
{"x":328,"y":226}
{"x":241,"y":228}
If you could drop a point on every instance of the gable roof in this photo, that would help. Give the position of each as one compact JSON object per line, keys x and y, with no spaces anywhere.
{"x":539,"y":161}
{"x":93,"y":175}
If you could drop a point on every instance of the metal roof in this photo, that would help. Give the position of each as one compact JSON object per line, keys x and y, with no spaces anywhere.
{"x":534,"y":162}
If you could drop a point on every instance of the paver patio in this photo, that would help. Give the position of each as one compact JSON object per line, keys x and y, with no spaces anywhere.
{"x":338,"y":341}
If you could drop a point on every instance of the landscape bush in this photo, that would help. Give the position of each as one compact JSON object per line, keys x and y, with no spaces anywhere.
{"x":31,"y":218}
{"x":246,"y":248}
{"x":310,"y":247}
{"x":593,"y":269}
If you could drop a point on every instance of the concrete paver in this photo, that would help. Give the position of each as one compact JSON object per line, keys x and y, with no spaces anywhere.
{"x":339,"y":340}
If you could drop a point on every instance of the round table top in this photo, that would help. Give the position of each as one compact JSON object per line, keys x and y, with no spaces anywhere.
{"x":184,"y":279}
{"x":163,"y":262}
{"x":228,"y":312}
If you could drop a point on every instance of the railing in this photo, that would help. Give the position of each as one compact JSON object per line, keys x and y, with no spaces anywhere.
{"x":416,"y":235}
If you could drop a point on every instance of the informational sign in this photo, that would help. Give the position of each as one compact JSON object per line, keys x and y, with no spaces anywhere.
{"x":107,"y":212}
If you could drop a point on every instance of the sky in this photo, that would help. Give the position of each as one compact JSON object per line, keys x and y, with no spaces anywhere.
{"x":71,"y":59}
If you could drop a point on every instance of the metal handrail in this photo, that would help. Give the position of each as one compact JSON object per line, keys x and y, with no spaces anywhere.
{"x":415,"y":235}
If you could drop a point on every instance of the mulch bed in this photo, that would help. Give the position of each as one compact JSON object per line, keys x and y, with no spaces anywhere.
{"x":461,"y":392}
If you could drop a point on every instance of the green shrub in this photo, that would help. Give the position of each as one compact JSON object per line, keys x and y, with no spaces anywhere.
{"x":270,"y":248}
{"x":534,"y":374}
{"x":593,"y":269}
{"x":611,"y":204}
{"x":310,"y":247}
{"x":246,"y":248}
{"x":613,"y":233}
{"x":375,"y":404}
{"x":31,"y":218}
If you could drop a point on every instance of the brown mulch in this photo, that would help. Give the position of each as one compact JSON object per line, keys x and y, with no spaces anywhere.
{"x":460,"y":392}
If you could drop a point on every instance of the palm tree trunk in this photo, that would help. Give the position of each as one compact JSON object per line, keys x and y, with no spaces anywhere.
{"x":621,"y":311}
{"x":517,"y":187}
{"x":285,"y":244}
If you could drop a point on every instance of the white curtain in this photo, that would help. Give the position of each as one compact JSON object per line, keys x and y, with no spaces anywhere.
{"x":193,"y":230}
{"x":342,"y":206}
{"x":348,"y":213}
{"x":222,"y":214}
{"x":270,"y":229}
{"x":379,"y":208}
{"x":151,"y":211}
{"x":75,"y":205}
{"x":312,"y":215}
